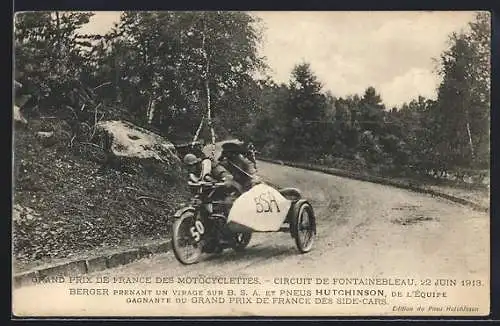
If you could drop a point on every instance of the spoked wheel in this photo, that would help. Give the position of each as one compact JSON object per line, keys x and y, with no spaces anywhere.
{"x":187,"y":249}
{"x":241,"y":240}
{"x":305,"y":226}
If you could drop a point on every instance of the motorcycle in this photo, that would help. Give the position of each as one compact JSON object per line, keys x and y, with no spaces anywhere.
{"x":213,"y":222}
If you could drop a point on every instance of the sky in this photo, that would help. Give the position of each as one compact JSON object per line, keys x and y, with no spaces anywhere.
{"x":350,"y":51}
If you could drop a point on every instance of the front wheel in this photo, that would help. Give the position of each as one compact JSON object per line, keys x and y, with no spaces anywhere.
{"x":305,"y":226}
{"x":186,"y":243}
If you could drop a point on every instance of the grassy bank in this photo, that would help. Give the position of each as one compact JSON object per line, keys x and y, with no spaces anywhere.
{"x":66,"y":204}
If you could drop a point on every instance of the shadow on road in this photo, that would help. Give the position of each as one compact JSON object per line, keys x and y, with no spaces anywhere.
{"x":254,"y":254}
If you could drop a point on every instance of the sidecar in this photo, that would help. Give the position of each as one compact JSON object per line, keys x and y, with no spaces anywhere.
{"x":267,"y":209}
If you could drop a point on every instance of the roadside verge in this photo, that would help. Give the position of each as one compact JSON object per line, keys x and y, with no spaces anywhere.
{"x":91,"y":264}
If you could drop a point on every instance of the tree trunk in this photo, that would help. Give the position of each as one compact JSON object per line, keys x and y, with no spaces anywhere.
{"x":209,"y":112}
{"x":117,"y":78}
{"x":57,"y":43}
{"x":197,"y":134}
{"x":469,"y":134}
{"x":151,"y":109}
{"x":207,"y":89}
{"x":470,"y":139}
{"x":58,"y":31}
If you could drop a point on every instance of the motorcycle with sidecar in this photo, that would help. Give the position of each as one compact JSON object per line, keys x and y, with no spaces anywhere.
{"x":210,"y":224}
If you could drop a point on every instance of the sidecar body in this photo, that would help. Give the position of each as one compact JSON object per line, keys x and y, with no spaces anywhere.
{"x":267,"y":209}
{"x":261,"y":209}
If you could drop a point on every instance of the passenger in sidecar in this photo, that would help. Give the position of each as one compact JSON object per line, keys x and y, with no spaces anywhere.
{"x":234,"y":160}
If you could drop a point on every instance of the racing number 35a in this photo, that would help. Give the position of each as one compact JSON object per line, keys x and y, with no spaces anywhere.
{"x":265,"y":202}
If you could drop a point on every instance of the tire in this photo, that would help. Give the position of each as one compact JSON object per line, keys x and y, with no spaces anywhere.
{"x":180,"y":231}
{"x":241,"y":239}
{"x":304,"y":234}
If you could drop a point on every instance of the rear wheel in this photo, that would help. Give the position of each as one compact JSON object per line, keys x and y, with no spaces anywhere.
{"x":241,"y":240}
{"x":186,"y":246}
{"x":305,"y":227}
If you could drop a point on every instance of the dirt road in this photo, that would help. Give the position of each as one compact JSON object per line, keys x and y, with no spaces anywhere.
{"x":364,"y":230}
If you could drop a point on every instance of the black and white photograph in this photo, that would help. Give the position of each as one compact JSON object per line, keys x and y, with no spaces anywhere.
{"x":251,"y":163}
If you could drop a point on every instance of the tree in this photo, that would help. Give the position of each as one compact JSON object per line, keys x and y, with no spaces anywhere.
{"x":462,"y":111}
{"x":413,"y":126}
{"x":305,"y":113}
{"x":480,"y":40}
{"x":49,"y":56}
{"x":371,"y":111}
{"x":186,"y":62}
{"x":346,"y":134}
{"x":267,"y":126}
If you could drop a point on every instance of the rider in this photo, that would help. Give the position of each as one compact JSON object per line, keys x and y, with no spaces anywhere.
{"x":200,"y":168}
{"x":233,"y":168}
{"x":204,"y":169}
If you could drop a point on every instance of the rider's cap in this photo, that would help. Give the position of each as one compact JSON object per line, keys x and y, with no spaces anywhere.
{"x":190,"y":159}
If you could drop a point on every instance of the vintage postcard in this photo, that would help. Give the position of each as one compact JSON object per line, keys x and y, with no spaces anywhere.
{"x":257,"y":163}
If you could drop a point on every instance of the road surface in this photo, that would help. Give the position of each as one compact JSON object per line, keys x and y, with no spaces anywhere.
{"x":364,"y":230}
{"x":358,"y":229}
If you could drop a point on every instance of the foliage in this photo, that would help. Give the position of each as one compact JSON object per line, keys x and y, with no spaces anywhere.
{"x":175,"y":54}
{"x":463,"y":107}
{"x":49,"y":55}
